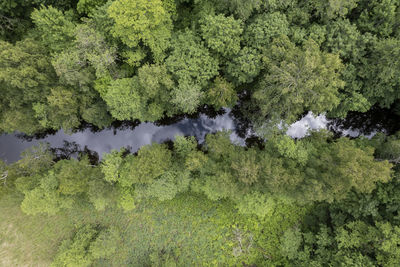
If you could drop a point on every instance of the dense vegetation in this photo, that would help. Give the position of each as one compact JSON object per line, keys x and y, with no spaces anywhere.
{"x":64,"y":62}
{"x":318,"y":201}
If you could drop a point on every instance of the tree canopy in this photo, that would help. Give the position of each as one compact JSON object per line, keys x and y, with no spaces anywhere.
{"x":321,"y":200}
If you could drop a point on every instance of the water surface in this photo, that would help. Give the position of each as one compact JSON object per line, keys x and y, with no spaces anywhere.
{"x":136,"y":135}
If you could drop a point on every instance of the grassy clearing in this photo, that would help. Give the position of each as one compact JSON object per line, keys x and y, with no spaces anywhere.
{"x":191,"y":226}
{"x":27,"y":240}
{"x":196,"y":231}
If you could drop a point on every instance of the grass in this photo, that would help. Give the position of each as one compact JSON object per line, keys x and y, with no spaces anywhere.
{"x":28,"y":241}
{"x":196,"y":231}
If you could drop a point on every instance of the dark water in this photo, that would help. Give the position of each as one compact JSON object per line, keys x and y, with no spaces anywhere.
{"x":368,"y":123}
{"x":134,"y":135}
{"x":131,"y":135}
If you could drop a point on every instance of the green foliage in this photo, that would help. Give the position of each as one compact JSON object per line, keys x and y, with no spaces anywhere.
{"x":378,"y":17}
{"x":45,"y":198}
{"x":61,"y":111}
{"x":95,"y":49}
{"x":36,"y":159}
{"x":163,"y":188}
{"x":355,"y":243}
{"x":219,"y":185}
{"x":123,"y":99}
{"x":317,"y":201}
{"x":57,"y":188}
{"x":331,"y":9}
{"x":99,"y":19}
{"x":26,"y":67}
{"x":22,"y":119}
{"x":345,"y":39}
{"x":167,"y":186}
{"x":135,"y":57}
{"x":42,"y":103}
{"x":96,"y":113}
{"x":86,"y":6}
{"x":192,"y":65}
{"x":381,"y":73}
{"x":222,"y":34}
{"x":111,"y":165}
{"x":244,"y":67}
{"x":190,"y":60}
{"x":106,"y":243}
{"x":387,"y":147}
{"x":287,"y":147}
{"x":3,"y":177}
{"x":75,"y":252}
{"x":255,"y":203}
{"x":144,"y":97}
{"x":90,"y":50}
{"x":264,"y":27}
{"x":73,"y":175}
{"x":126,"y":200}
{"x":219,"y":145}
{"x":142,"y":21}
{"x":78,"y":65}
{"x":150,"y":162}
{"x":101,"y":194}
{"x":221,"y":93}
{"x":291,"y":241}
{"x":25,"y":78}
{"x":298,"y":80}
{"x":245,"y":166}
{"x":355,"y":168}
{"x":187,"y":96}
{"x":300,"y":171}
{"x":186,"y":153}
{"x":56,"y":29}
{"x":155,"y":87}
{"x":242,"y":8}
{"x":184,"y":146}
{"x":189,"y":53}
{"x":68,"y":66}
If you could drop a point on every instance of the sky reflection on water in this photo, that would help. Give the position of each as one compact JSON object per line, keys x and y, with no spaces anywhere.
{"x":11,"y":145}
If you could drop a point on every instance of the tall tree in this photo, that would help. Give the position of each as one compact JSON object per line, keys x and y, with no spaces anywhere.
{"x":298,"y":80}
{"x":192,"y":65}
{"x":264,"y":27}
{"x":331,"y":9}
{"x":55,"y":28}
{"x":25,"y":78}
{"x":222,"y":34}
{"x":145,"y":97}
{"x":142,"y":21}
{"x":151,"y":162}
{"x":381,"y":72}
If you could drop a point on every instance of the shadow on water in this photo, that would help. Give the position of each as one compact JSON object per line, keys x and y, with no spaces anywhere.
{"x":74,"y":150}
{"x":368,"y":123}
{"x":116,"y":125}
{"x":242,"y":122}
{"x":93,"y":142}
{"x":132,"y":134}
{"x":255,"y":141}
{"x":209,"y":111}
{"x":36,"y":136}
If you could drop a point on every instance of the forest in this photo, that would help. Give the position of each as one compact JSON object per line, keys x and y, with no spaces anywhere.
{"x":321,"y":200}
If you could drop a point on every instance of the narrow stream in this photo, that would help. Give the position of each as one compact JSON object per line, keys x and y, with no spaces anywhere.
{"x":135,"y":136}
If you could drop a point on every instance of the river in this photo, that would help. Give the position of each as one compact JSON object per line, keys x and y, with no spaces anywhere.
{"x":136,"y":135}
